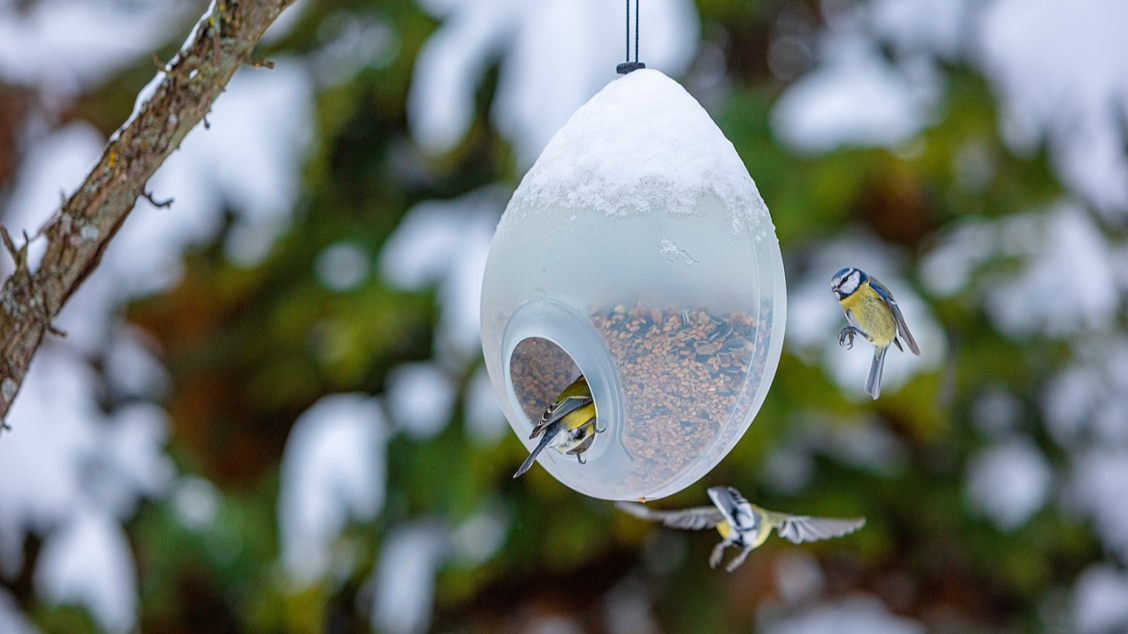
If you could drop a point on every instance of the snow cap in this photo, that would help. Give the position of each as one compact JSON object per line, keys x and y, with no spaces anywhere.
{"x":640,"y":145}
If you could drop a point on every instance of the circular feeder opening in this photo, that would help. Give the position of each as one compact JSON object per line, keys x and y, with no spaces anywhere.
{"x":539,"y":370}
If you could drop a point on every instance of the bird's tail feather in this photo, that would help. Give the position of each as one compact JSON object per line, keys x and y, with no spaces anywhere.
{"x":525,"y":466}
{"x":873,"y":382}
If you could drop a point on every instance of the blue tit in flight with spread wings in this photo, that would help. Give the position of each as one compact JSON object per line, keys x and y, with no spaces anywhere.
{"x":567,"y":425}
{"x":743,"y":524}
{"x":872,"y":313}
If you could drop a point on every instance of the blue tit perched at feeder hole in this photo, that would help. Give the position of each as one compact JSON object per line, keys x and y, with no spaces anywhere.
{"x":568,"y":424}
{"x":871,"y":312}
{"x":743,"y":524}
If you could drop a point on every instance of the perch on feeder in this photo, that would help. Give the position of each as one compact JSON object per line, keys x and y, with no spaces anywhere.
{"x":638,"y":252}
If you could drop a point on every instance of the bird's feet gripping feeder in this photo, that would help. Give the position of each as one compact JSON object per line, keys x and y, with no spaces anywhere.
{"x":637,"y":251}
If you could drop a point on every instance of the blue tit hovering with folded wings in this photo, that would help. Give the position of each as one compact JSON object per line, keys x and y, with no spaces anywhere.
{"x":568,"y":424}
{"x":743,"y":524}
{"x":872,"y":313}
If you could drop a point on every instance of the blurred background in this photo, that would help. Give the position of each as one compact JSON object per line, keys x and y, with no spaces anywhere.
{"x":270,"y":412}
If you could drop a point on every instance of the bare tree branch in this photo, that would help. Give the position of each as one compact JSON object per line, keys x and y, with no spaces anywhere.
{"x":78,"y":233}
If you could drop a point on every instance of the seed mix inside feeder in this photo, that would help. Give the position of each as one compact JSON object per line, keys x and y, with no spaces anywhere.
{"x":637,"y":251}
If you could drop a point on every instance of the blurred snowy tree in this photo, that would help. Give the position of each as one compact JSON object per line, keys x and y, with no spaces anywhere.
{"x":272,"y":414}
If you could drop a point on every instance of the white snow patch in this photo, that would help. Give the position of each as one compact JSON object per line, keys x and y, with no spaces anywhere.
{"x":862,"y":444}
{"x":855,"y":98}
{"x":333,"y":471}
{"x":641,"y":145}
{"x":1062,"y":248}
{"x":1079,"y":55}
{"x":55,"y":429}
{"x":485,"y":422}
{"x":949,"y":268}
{"x":405,"y":577}
{"x":445,"y":243}
{"x":996,"y":412}
{"x":52,"y":168}
{"x":132,"y":365}
{"x":286,"y":21}
{"x":627,"y":609}
{"x":856,"y":614}
{"x":1099,"y":490}
{"x":448,"y":68}
{"x":789,"y":468}
{"x":89,"y":563}
{"x":477,"y":539}
{"x":420,"y":398}
{"x":1087,"y":402}
{"x":923,"y":26}
{"x":349,"y":44}
{"x":341,"y":266}
{"x":196,"y":502}
{"x":798,"y":577}
{"x":65,"y":455}
{"x":1009,"y":482}
{"x":64,"y":47}
{"x":132,"y":447}
{"x":1099,"y":604}
{"x":249,"y":159}
{"x":143,"y":96}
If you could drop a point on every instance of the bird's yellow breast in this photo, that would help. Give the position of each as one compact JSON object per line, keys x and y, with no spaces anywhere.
{"x":724,"y":529}
{"x":578,"y":417}
{"x":871,"y":315}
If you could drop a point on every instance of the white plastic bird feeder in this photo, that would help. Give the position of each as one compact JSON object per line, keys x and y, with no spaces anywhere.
{"x":637,"y":251}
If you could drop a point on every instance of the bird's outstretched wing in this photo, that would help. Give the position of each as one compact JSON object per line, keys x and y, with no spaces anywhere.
{"x":733,"y":506}
{"x":802,"y":528}
{"x":697,"y":518}
{"x":575,"y":396}
{"x":902,"y":327}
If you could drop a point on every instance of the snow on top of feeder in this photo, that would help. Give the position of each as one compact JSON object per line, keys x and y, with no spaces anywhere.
{"x":642,"y":144}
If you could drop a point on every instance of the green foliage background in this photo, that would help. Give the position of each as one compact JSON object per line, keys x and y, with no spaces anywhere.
{"x":244,"y":364}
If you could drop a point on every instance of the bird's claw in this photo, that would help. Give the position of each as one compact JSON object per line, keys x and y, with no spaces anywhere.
{"x":580,"y":459}
{"x":715,"y":556}
{"x":846,"y":337}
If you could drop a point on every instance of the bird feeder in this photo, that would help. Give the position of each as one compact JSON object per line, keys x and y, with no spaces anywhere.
{"x":638,"y":251}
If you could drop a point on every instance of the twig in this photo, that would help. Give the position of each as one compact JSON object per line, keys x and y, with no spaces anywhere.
{"x":163,"y":204}
{"x":9,"y":245}
{"x":29,"y":302}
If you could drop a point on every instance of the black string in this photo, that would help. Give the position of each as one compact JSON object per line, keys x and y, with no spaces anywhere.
{"x":628,"y":65}
{"x":636,"y":31}
{"x":628,"y":35}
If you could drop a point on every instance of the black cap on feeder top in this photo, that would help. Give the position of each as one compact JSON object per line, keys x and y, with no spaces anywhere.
{"x":628,"y":65}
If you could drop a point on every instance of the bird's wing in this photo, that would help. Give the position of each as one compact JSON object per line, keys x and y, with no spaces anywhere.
{"x":733,"y":507}
{"x":696,"y":518}
{"x":902,"y":327}
{"x":571,"y":399}
{"x":802,"y":528}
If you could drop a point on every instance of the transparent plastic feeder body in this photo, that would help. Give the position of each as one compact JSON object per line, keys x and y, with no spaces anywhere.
{"x":638,"y":252}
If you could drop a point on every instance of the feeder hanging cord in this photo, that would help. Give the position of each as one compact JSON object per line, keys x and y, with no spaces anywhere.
{"x":628,"y":65}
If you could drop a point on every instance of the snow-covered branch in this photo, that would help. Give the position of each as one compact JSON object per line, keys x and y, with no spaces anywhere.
{"x":167,"y":109}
